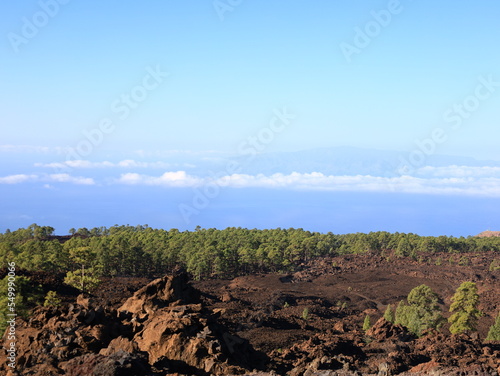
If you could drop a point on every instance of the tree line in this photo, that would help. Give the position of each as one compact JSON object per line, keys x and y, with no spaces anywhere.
{"x":208,"y":253}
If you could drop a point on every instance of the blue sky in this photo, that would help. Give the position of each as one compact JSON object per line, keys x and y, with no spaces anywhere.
{"x":180,"y":87}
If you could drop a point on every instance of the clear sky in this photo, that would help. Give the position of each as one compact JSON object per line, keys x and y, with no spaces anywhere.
{"x":182,"y":77}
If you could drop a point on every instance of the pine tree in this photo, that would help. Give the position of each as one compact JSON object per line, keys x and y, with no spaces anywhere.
{"x":27,"y":295}
{"x":52,"y":300}
{"x":389,"y":314}
{"x":422,"y":311}
{"x":494,"y":332}
{"x":85,"y":278}
{"x":465,"y":305}
{"x":404,"y":247}
{"x":401,"y":314}
{"x":366,"y":324}
{"x":85,"y":281}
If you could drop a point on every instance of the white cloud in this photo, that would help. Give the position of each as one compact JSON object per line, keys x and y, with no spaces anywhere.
{"x":456,"y":180}
{"x":168,"y":179}
{"x":317,"y":181}
{"x":75,"y":164}
{"x":67,"y":164}
{"x":16,"y":179}
{"x":66,"y":178}
{"x":56,"y":178}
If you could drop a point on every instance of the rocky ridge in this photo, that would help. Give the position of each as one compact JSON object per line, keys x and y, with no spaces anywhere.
{"x":162,"y":329}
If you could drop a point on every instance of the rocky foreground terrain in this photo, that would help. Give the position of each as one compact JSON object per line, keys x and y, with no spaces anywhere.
{"x":256,"y":324}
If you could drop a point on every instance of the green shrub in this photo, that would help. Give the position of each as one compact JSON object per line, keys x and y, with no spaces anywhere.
{"x":52,"y":300}
{"x":494,"y":332}
{"x":495,"y":265}
{"x":366,"y":324}
{"x":24,"y":296}
{"x":305,"y":314}
{"x":389,"y":314}
{"x":464,"y":261}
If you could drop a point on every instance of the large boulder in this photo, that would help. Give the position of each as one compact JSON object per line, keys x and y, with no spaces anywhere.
{"x":383,"y":330}
{"x":162,"y":292}
{"x":175,"y":329}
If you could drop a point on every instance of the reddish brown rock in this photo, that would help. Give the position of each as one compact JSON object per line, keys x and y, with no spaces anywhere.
{"x":162,"y":292}
{"x":383,"y":330}
{"x":117,"y":344}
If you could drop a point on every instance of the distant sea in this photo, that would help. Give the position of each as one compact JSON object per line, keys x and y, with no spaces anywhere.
{"x":338,"y":212}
